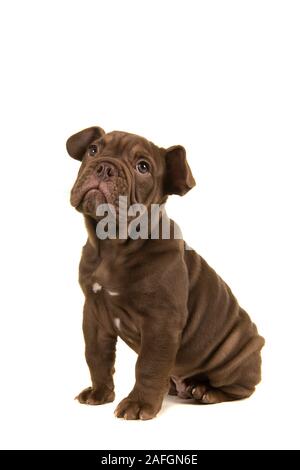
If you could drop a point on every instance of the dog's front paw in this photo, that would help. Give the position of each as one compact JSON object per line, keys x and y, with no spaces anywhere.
{"x":134,"y":408}
{"x":96,"y":396}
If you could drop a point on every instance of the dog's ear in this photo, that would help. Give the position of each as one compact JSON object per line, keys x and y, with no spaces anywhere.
{"x":178,"y":177}
{"x":78,"y":143}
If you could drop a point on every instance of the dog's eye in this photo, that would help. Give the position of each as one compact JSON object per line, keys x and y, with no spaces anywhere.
{"x":93,"y":149}
{"x":143,"y":167}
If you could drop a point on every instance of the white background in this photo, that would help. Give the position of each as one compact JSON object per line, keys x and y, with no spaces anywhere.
{"x":221,"y":78}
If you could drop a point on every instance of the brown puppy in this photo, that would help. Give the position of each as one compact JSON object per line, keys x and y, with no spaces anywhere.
{"x":164,"y":301}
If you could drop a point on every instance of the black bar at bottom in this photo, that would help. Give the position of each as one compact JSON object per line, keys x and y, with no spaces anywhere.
{"x":126,"y":458}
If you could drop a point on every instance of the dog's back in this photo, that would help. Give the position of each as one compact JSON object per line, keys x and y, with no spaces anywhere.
{"x":220,"y":343}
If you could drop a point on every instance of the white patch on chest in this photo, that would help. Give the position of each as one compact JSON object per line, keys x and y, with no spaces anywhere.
{"x":117,"y":322}
{"x":96,"y":287}
{"x":112,"y":293}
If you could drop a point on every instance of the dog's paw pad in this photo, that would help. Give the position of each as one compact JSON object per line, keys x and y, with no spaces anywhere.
{"x":199,"y":391}
{"x":90,"y":396}
{"x":206,"y":398}
{"x":214,"y":396}
{"x":133,"y":409}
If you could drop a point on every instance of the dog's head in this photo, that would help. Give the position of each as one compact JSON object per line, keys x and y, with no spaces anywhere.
{"x":122,"y":164}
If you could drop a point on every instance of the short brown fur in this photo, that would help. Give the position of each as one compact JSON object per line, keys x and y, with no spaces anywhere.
{"x":191,"y":336}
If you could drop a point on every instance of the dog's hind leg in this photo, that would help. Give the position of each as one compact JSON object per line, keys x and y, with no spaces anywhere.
{"x":208,"y":395}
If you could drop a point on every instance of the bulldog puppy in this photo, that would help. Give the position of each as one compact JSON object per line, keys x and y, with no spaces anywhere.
{"x":191,"y":336}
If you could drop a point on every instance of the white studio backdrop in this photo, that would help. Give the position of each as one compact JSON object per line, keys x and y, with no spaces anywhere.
{"x":220,"y":78}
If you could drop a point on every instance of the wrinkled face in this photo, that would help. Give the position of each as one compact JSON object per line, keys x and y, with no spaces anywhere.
{"x":122,"y":164}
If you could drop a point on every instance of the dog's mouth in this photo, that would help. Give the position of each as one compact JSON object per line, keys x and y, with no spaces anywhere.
{"x":94,"y":193}
{"x":89,"y":197}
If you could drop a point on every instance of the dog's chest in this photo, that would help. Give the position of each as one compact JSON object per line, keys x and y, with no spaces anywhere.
{"x":112,"y":287}
{"x":121,"y":286}
{"x":122,"y":314}
{"x":112,"y":276}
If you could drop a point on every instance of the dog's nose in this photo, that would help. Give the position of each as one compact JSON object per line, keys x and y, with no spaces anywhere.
{"x":106,"y":171}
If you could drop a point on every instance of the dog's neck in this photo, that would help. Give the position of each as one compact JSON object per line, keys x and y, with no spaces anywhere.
{"x":112,"y":247}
